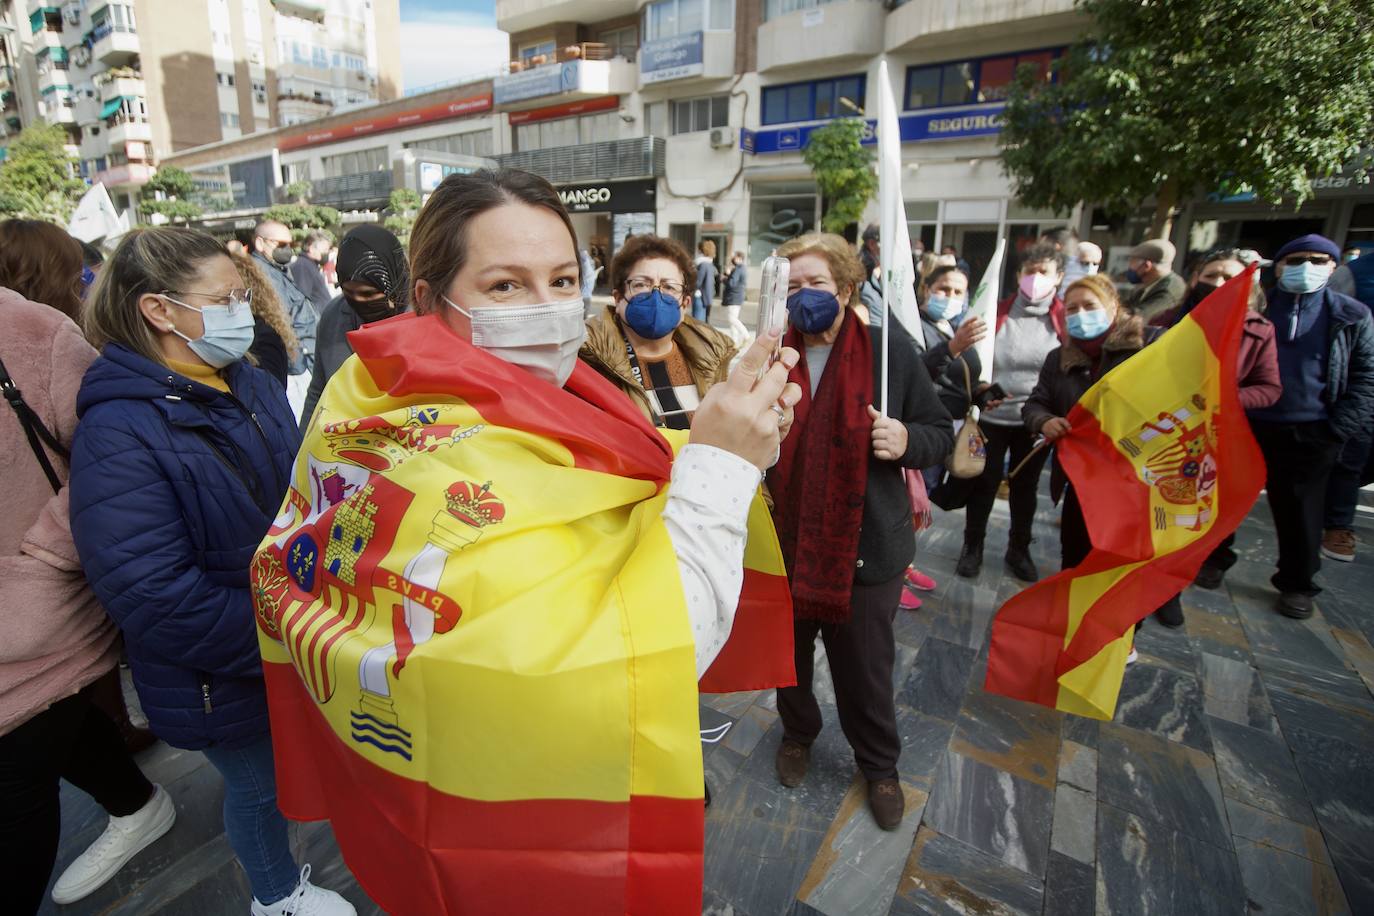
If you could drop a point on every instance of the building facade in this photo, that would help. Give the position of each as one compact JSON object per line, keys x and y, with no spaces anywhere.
{"x":135,"y":81}
{"x":688,"y":117}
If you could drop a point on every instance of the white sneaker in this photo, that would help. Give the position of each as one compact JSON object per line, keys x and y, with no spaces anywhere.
{"x":124,"y":838}
{"x":307,"y":900}
{"x":1133,"y":657}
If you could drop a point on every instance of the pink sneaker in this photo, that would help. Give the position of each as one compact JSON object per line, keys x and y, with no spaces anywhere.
{"x":919,"y":580}
{"x":910,"y":600}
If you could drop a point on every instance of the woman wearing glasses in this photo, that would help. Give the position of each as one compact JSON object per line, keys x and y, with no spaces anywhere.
{"x":648,"y":344}
{"x":180,"y":460}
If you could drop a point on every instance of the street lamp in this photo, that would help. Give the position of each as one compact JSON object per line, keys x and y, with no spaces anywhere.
{"x":849,"y":103}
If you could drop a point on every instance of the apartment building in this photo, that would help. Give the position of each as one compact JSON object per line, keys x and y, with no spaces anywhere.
{"x":688,"y":117}
{"x":134,"y":81}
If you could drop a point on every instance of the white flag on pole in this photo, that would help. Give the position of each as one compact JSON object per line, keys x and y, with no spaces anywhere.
{"x":95,"y":216}
{"x":899,"y":291}
{"x":985,"y":307}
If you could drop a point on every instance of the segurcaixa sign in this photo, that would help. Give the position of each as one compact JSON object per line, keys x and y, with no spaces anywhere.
{"x":609,"y":196}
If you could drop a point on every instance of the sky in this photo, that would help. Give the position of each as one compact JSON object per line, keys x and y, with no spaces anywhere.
{"x":444,"y":40}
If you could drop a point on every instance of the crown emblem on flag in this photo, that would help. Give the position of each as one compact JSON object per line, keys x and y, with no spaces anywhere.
{"x":378,"y":444}
{"x":475,"y":505}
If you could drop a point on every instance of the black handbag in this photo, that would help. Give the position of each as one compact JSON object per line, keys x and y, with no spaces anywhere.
{"x":34,"y":430}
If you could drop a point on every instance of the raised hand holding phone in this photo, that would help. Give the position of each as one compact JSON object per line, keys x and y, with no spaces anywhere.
{"x":773,"y":303}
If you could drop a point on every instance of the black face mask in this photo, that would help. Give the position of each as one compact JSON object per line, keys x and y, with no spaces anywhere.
{"x":282,"y":255}
{"x":370,"y":310}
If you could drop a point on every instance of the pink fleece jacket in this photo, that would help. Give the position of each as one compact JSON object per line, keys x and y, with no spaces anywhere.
{"x":54,"y":637}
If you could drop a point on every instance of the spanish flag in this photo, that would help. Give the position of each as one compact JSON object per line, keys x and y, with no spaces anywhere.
{"x":475,"y":641}
{"x":1164,"y":465}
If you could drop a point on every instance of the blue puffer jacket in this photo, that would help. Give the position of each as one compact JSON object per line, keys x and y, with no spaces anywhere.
{"x":173,"y":485}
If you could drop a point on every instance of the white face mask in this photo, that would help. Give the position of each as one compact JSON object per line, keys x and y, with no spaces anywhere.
{"x":542,"y":339}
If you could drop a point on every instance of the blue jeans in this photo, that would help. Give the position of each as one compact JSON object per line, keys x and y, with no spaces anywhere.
{"x":255,"y":827}
{"x":699,"y":311}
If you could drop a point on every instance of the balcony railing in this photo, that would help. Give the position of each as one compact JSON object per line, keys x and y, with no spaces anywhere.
{"x":641,"y":157}
{"x":361,"y":191}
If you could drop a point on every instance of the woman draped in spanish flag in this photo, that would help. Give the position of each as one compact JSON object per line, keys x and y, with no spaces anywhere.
{"x":493,"y":588}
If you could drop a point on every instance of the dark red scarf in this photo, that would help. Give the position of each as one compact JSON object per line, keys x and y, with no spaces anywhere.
{"x":819,"y":481}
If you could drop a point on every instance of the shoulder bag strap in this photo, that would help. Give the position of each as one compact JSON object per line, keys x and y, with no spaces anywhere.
{"x":34,"y":430}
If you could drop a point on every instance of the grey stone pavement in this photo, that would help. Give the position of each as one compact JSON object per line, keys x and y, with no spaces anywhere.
{"x":1236,"y":778}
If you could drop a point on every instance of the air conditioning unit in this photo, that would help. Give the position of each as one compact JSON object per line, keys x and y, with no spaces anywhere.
{"x":722,"y":137}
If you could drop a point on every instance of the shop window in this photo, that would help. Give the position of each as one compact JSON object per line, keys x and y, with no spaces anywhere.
{"x":967,"y":82}
{"x":691,"y":115}
{"x":775,"y":218}
{"x":667,"y":18}
{"x":814,"y":101}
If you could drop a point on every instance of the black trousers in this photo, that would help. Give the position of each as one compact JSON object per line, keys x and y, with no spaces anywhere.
{"x":861,"y":653}
{"x":70,"y":740}
{"x":1223,"y":556}
{"x":1006,"y":444}
{"x":1299,"y":458}
{"x":1343,"y":489}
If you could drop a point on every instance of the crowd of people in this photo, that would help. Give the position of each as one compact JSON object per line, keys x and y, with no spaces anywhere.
{"x":160,"y":391}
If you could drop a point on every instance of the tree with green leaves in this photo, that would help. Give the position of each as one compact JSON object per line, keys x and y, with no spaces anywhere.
{"x":843,"y":168}
{"x":168,"y":194}
{"x":38,"y":178}
{"x":1175,"y":98}
{"x":403,"y":206}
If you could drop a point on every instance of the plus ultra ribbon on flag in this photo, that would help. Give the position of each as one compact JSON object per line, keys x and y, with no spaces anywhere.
{"x":1164,"y":465}
{"x":477,"y":651}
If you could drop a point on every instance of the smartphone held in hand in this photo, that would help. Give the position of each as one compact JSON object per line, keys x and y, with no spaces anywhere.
{"x":773,"y":300}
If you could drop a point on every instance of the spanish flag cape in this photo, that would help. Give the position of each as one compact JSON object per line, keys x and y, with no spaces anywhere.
{"x":1164,"y":465}
{"x":477,"y":651}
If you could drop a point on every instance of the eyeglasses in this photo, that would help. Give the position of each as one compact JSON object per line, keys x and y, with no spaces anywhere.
{"x":1318,"y":259}
{"x":637,"y":285}
{"x":234,"y":300}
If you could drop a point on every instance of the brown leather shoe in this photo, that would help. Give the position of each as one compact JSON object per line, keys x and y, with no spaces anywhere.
{"x":792,"y":761}
{"x":887,"y":802}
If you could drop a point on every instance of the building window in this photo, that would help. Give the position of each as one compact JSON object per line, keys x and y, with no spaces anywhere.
{"x":667,"y":18}
{"x":368,"y":160}
{"x":772,"y":9}
{"x":621,"y":42}
{"x":228,"y":119}
{"x":691,"y":115}
{"x":656,"y":119}
{"x":778,"y":212}
{"x":472,"y":143}
{"x":592,"y":128}
{"x":225,"y":79}
{"x":814,"y":101}
{"x":539,"y":49}
{"x":970,"y":81}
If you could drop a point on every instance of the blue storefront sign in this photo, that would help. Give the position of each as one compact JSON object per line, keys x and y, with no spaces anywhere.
{"x":549,"y":79}
{"x":917,"y":127}
{"x":672,"y":58}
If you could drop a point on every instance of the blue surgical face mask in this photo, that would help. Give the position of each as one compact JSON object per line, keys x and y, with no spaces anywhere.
{"x":1304,"y":278}
{"x":653,"y":314}
{"x":1132,"y":275}
{"x":227,"y":335}
{"x":812,"y":311}
{"x":942,"y":307}
{"x":1089,"y":325}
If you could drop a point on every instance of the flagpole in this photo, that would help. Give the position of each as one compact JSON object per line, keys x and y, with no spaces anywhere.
{"x":887,"y":322}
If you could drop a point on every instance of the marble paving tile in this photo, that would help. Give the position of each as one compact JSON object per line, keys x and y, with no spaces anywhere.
{"x":1070,"y":887}
{"x":924,"y":740}
{"x":1257,"y":768}
{"x":1303,"y":711}
{"x":902,"y":664}
{"x":1215,"y":633}
{"x":1336,"y":775}
{"x":748,"y":729}
{"x":1174,"y":785}
{"x":710,"y":717}
{"x":858,"y":865}
{"x":1358,"y":652}
{"x":1357,"y":880}
{"x":911,"y":628}
{"x":1270,"y":632}
{"x":1232,"y":690}
{"x":944,"y":877}
{"x":1075,"y":817}
{"x":731,"y":704}
{"x":759,"y":845}
{"x":832,"y":768}
{"x":1257,"y":826}
{"x":992,"y":810}
{"x":1165,"y":703}
{"x":1334,"y":680}
{"x":1346,"y":610}
{"x":722,"y":765}
{"x":962,"y":613}
{"x":1078,"y":766}
{"x":939,"y":541}
{"x":1080,"y":730}
{"x":1279,"y":882}
{"x":1167,"y":647}
{"x":1145,"y":868}
{"x":939,"y":679}
{"x":1018,"y":737}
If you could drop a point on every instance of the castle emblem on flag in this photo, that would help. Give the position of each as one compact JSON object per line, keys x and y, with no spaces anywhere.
{"x":349,"y":534}
{"x":379,"y":444}
{"x":1175,"y":455}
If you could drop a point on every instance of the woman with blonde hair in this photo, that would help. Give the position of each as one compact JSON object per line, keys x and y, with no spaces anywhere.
{"x":274,"y":342}
{"x":180,"y":461}
{"x":842,"y":510}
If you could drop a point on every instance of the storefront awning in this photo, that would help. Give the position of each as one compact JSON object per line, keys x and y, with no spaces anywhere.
{"x":110,"y":107}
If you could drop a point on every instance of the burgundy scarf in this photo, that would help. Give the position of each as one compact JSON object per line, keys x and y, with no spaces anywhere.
{"x":819,"y":481}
